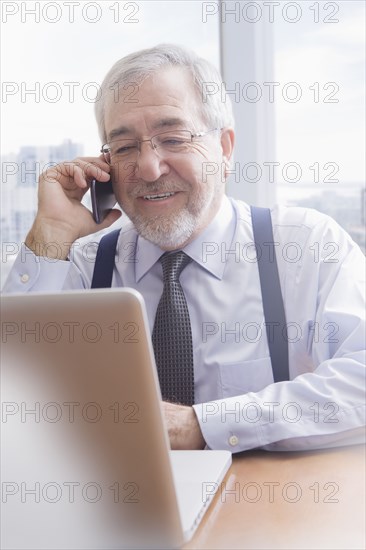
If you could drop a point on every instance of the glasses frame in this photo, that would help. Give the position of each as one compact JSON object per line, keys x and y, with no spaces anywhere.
{"x":105,"y":148}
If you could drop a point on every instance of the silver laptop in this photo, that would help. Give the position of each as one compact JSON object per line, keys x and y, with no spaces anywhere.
{"x":85,"y":458}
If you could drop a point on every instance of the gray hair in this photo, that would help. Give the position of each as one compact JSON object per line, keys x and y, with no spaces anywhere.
{"x":216,"y":105}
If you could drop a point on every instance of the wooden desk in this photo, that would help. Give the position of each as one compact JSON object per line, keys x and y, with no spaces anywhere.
{"x":305,"y":500}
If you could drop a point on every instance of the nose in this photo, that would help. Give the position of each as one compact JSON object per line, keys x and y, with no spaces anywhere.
{"x":149,"y":165}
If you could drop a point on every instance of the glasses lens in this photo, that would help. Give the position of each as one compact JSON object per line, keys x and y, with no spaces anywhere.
{"x":177,"y":141}
{"x":120,"y":150}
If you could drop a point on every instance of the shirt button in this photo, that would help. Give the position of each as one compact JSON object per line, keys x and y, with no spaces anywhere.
{"x":233,"y":440}
{"x":24,"y":278}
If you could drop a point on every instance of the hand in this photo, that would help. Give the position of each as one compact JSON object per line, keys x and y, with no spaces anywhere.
{"x":61,"y":218}
{"x":183,"y":427}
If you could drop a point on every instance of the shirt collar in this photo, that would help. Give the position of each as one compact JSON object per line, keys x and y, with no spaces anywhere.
{"x":206,"y":249}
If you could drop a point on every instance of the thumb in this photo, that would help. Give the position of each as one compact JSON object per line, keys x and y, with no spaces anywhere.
{"x":111,"y":217}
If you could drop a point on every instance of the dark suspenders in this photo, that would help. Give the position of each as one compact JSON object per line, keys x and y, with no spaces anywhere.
{"x":104,"y":262}
{"x":274,"y":312}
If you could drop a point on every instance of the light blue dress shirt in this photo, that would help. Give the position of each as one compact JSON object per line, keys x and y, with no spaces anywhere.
{"x":237,"y":404}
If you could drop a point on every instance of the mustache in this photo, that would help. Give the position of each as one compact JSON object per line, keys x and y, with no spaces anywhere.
{"x":156,"y":188}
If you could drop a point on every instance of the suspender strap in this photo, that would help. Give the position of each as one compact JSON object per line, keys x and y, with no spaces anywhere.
{"x":274,"y":312}
{"x":105,"y":260}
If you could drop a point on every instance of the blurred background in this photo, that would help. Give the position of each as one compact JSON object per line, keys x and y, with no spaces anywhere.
{"x":295,"y":72}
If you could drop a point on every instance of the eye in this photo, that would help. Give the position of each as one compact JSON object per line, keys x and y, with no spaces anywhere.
{"x":124,"y":148}
{"x":173,"y":140}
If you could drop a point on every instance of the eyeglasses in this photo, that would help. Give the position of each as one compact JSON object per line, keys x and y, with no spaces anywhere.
{"x":175,"y":142}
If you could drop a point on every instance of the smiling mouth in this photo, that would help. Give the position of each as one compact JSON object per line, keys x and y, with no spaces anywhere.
{"x":158,"y":197}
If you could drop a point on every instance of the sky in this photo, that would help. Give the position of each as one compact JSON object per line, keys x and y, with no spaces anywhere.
{"x":332,"y":55}
{"x":38,"y":53}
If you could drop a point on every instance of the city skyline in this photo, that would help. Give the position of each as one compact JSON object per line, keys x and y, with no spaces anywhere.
{"x":20,"y":172}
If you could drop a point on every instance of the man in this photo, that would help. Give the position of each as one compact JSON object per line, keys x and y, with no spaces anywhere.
{"x":154,"y":99}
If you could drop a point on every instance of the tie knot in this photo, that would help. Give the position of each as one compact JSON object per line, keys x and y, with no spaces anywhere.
{"x":173,"y":265}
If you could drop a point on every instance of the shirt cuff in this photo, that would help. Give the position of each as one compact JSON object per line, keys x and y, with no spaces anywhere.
{"x":221,"y":428}
{"x":36,"y":273}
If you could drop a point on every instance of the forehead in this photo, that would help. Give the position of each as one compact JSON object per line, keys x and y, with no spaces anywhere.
{"x":167,"y":95}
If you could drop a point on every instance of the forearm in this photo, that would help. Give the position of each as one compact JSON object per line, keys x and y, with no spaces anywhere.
{"x":32,"y":273}
{"x":183,"y":427}
{"x":315,"y":410}
{"x":49,"y":241}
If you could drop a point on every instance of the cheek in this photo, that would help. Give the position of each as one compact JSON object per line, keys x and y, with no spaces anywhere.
{"x":120,"y":191}
{"x":124,"y":173}
{"x":208,"y":163}
{"x":207,"y":174}
{"x":197,"y":169}
{"x":123,"y":180}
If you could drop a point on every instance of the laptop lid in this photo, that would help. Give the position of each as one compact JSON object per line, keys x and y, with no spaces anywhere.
{"x":85,"y":454}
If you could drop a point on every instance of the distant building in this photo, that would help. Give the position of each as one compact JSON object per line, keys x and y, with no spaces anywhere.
{"x":346,"y":206}
{"x":20,"y":173}
{"x":32,"y":161}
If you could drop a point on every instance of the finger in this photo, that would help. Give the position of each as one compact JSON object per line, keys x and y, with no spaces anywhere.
{"x":98,"y":161}
{"x":91,"y":170}
{"x":79,"y":177}
{"x":111,"y":217}
{"x":102,"y":158}
{"x":93,"y":167}
{"x":79,"y":173}
{"x":70,"y":176}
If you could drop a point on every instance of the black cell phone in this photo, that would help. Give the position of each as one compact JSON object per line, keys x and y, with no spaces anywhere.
{"x":102,"y":199}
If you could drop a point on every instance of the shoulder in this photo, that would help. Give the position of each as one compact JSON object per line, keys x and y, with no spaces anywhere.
{"x":292,"y":222}
{"x":306,"y":218}
{"x":86,"y":248}
{"x":302,"y":234}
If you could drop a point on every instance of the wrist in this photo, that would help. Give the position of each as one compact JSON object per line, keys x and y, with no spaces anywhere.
{"x":197,"y":439}
{"x":48,"y":243}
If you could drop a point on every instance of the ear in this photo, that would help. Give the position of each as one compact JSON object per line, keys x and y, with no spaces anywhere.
{"x":227,"y":142}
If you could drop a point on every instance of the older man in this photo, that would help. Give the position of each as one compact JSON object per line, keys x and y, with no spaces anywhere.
{"x":159,"y":135}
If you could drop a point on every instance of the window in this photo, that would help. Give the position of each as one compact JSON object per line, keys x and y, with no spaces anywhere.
{"x":323,"y":131}
{"x":295,"y":71}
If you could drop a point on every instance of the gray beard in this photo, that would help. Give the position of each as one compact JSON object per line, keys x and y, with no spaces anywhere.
{"x":170,"y":231}
{"x":166,"y":231}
